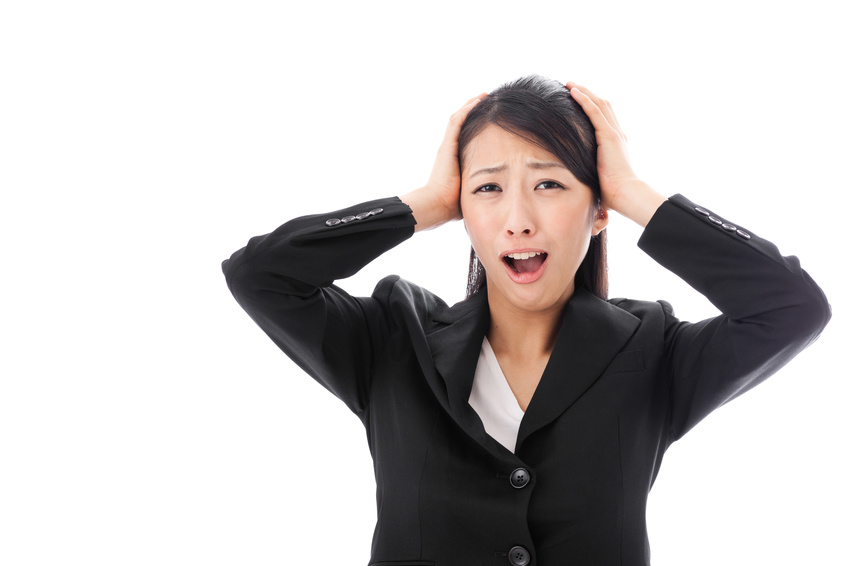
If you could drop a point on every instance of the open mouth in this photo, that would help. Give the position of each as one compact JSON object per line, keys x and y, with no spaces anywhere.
{"x":525,"y":262}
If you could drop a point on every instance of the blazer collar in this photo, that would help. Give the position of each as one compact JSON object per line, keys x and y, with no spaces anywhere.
{"x":455,"y":341}
{"x":592,"y":333}
{"x":455,"y":344}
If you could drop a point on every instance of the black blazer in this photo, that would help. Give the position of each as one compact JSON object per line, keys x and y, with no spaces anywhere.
{"x":625,"y":380}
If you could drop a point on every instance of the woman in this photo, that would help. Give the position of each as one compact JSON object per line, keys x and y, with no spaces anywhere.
{"x":526,"y":424}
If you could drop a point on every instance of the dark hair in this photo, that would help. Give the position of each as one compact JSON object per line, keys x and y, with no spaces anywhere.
{"x":543,"y":112}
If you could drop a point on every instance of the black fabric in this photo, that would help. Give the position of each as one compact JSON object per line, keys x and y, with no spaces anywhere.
{"x":625,"y":380}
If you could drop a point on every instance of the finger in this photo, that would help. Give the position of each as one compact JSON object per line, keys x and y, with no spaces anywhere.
{"x":597,"y":100}
{"x":452,"y":132}
{"x":475,"y":98}
{"x":596,"y":116}
{"x":605,"y":106}
{"x":469,"y":105}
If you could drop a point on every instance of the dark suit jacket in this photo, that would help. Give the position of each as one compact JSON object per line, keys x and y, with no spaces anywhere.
{"x":625,"y":380}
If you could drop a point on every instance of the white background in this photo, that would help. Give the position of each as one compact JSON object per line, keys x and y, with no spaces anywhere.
{"x":145,"y":419}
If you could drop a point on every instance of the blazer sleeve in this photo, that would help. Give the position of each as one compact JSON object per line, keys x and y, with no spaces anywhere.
{"x":284,"y":280}
{"x":771,"y":308}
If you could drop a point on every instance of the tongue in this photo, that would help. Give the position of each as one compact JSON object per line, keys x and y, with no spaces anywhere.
{"x":528,"y":265}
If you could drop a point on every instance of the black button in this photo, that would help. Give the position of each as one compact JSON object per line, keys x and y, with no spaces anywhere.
{"x":519,"y":556}
{"x":363,"y":216}
{"x":713,"y":219}
{"x":349,"y":219}
{"x":375,"y":211}
{"x":333,"y":222}
{"x":701,"y":210}
{"x":729,"y":227}
{"x":744,"y":235}
{"x":520,"y":478}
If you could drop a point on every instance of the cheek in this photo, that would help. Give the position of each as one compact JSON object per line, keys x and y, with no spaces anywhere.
{"x":464,"y":200}
{"x":473,"y":229}
{"x":572,"y":230}
{"x":472,"y":217}
{"x":575,"y":221}
{"x":582,"y":233}
{"x":481,"y":236}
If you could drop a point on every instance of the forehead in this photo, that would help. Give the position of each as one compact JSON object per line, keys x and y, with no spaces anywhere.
{"x":496,"y":146}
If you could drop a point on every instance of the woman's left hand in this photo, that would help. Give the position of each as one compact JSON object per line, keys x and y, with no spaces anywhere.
{"x":621,"y":189}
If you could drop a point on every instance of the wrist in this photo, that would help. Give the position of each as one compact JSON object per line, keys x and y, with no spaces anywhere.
{"x":637,"y":201}
{"x":427,"y":212}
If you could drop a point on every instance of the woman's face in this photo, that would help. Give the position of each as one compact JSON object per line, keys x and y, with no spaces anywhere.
{"x":529,"y":219}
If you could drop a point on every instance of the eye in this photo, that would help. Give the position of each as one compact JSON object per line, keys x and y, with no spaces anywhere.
{"x":549,"y":185}
{"x":487,"y":189}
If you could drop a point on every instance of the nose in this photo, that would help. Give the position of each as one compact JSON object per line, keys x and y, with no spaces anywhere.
{"x":520,"y":217}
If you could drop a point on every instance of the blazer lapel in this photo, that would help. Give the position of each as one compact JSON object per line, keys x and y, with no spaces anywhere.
{"x":455,"y":344}
{"x":592,"y":333}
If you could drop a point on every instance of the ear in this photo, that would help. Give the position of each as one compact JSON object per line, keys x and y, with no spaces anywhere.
{"x":601,"y":220}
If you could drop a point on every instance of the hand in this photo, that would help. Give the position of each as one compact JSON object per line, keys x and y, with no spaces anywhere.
{"x":439,"y":200}
{"x":621,"y":189}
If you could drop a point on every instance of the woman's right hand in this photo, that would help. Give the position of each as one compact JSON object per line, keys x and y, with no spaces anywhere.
{"x":438,"y":201}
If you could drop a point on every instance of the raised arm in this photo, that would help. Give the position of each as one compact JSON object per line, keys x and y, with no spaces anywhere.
{"x":285,"y":279}
{"x":771,"y":308}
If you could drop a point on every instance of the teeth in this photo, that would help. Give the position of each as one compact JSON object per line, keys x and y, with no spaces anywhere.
{"x":523,"y":255}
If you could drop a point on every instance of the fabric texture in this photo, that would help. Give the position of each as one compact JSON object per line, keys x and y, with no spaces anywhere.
{"x":625,"y":380}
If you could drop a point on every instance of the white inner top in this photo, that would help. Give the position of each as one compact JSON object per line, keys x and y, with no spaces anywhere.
{"x":493,"y":400}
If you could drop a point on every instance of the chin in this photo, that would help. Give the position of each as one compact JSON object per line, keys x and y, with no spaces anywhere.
{"x":535,"y":300}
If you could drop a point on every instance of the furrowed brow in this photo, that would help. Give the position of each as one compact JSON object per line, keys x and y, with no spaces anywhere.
{"x":544,"y":164}
{"x":489,"y":170}
{"x":529,"y":164}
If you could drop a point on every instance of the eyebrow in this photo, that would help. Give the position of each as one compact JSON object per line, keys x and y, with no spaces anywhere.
{"x":544,"y":165}
{"x":529,"y":164}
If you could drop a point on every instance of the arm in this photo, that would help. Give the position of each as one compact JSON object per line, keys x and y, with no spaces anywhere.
{"x":284,"y":280}
{"x":771,"y":308}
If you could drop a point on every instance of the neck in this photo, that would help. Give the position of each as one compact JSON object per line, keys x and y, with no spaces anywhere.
{"x":523,"y":333}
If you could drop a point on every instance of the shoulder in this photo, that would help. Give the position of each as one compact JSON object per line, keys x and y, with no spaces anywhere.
{"x":400,"y":296}
{"x":641,"y":309}
{"x":656,"y":316}
{"x":408,"y":304}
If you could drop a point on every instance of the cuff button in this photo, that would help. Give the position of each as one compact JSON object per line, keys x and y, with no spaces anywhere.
{"x":375,"y":212}
{"x":729,"y":227}
{"x":744,"y":235}
{"x":702,"y":211}
{"x":333,"y":222}
{"x":348,"y":219}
